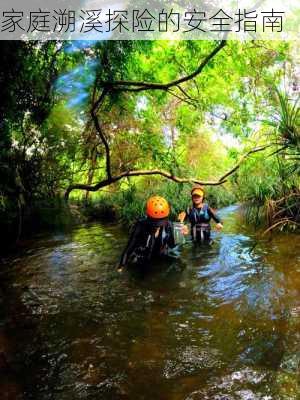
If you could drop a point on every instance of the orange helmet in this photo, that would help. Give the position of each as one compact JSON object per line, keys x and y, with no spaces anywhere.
{"x":157,"y":207}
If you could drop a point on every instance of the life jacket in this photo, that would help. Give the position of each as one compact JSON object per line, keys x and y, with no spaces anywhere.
{"x":196,"y":217}
{"x":200,"y":226}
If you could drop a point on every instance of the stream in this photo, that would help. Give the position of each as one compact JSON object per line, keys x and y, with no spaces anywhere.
{"x":219,"y":323}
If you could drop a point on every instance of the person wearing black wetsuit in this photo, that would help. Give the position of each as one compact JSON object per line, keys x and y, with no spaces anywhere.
{"x":199,"y":216}
{"x":151,"y":236}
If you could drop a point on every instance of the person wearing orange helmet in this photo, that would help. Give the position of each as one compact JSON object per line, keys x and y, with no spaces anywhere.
{"x":151,"y":236}
{"x":199,"y":216}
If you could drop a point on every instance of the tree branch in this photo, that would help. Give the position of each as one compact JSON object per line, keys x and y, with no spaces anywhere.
{"x":126,"y":174}
{"x":237,"y":166}
{"x":185,"y":93}
{"x":100,"y":131}
{"x":189,"y":102}
{"x":112,"y":179}
{"x":136,"y":86}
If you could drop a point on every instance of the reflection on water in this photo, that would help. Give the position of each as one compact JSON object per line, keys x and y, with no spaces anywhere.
{"x":219,"y":323}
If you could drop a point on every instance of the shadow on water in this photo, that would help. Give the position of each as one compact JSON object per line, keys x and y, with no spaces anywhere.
{"x":221,"y":322}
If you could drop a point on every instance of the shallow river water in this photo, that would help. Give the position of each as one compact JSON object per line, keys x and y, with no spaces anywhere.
{"x":218,"y":323}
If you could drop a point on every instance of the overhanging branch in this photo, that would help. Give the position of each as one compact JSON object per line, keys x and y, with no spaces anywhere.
{"x":126,"y":174}
{"x":136,"y":86}
{"x":246,"y":155}
{"x":165,"y":174}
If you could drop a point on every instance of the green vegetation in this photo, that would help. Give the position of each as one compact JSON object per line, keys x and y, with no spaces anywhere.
{"x":136,"y":118}
{"x":270,"y":182}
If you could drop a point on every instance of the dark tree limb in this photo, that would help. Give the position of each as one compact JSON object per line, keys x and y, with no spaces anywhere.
{"x":126,"y":174}
{"x":100,"y":132}
{"x":185,"y":100}
{"x":105,"y":143}
{"x":165,"y":174}
{"x":144,"y":85}
{"x":246,"y":155}
{"x":185,"y":93}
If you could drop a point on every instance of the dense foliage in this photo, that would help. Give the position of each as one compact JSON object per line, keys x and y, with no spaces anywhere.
{"x":244,"y":97}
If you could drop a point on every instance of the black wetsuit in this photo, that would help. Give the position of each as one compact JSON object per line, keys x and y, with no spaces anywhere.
{"x":200,"y":222}
{"x":143,"y":245}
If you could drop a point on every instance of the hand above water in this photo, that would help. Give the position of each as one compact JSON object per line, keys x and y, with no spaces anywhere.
{"x":184,"y":230}
{"x":181,"y":216}
{"x":219,"y":227}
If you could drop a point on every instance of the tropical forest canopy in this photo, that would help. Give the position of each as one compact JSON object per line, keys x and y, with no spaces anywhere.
{"x":105,"y":124}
